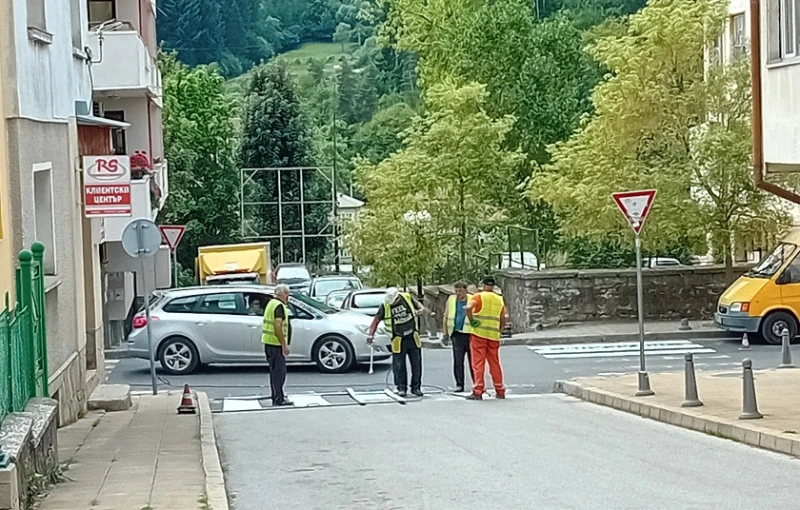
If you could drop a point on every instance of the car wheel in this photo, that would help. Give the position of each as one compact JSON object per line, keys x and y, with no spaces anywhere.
{"x":774,"y":324}
{"x":178,"y":356}
{"x":333,"y":355}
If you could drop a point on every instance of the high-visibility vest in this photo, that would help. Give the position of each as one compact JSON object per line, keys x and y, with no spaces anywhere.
{"x":389,"y":323}
{"x":451,"y":316}
{"x":268,"y":335}
{"x":488,"y":316}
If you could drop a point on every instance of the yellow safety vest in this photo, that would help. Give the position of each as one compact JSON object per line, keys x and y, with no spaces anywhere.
{"x":489,"y":316}
{"x":268,"y":335}
{"x":451,"y":316}
{"x":388,"y":322}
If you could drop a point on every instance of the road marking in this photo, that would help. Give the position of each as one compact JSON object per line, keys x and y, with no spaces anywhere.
{"x":620,"y":349}
{"x":232,"y":404}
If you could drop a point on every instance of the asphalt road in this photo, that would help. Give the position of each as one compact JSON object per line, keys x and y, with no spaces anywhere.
{"x":526,"y":370}
{"x":537,"y":451}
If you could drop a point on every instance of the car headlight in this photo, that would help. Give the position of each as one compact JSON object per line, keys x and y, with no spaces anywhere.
{"x":740,"y":307}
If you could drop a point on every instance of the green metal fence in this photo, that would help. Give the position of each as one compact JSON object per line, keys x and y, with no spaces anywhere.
{"x":23,"y":336}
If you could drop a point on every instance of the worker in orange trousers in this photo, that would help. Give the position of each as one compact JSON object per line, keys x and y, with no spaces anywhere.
{"x":486,"y":312}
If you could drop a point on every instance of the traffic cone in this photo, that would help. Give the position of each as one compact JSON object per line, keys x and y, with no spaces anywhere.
{"x":187,"y":402}
{"x":745,"y":342}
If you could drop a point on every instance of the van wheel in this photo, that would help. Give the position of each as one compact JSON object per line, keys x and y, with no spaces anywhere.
{"x":774,"y":324}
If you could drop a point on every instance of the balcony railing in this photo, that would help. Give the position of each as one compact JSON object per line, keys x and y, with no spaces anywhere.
{"x":125,"y":67}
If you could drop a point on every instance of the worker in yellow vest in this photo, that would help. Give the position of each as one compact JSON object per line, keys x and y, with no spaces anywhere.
{"x":486,"y":312}
{"x":276,"y":334}
{"x":456,"y":326}
{"x":398,"y":313}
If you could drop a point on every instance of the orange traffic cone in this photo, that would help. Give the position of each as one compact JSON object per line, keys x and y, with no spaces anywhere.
{"x":187,"y":402}
{"x":745,"y":343}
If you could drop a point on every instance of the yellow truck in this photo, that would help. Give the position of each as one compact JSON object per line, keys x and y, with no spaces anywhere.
{"x":234,"y":263}
{"x":766,"y":300}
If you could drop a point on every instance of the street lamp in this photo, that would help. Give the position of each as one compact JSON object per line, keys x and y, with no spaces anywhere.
{"x":418,"y":218}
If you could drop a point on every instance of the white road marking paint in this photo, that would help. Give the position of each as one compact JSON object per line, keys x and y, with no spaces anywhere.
{"x":620,"y":349}
{"x":232,"y":404}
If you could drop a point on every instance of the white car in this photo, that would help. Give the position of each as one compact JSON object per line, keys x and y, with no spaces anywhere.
{"x":205,"y":325}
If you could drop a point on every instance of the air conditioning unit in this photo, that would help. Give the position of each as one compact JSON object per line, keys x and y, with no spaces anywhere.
{"x":97,"y":109}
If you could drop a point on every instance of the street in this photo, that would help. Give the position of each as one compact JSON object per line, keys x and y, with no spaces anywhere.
{"x":537,"y":451}
{"x":528,"y":369}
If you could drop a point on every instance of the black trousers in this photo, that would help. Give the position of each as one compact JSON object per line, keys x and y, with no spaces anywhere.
{"x":277,"y":371}
{"x":408,"y":347}
{"x":460,"y":350}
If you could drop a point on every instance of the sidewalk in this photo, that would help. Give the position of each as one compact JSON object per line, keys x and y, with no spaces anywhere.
{"x":777,"y":391}
{"x":602,"y":331}
{"x":147,"y":457}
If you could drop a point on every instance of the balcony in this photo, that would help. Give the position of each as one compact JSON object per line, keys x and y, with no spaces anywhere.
{"x":148,"y":195}
{"x":125,"y":67}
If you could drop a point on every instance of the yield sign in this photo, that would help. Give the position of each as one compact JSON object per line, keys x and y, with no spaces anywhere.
{"x":634,"y":206}
{"x":172,"y":235}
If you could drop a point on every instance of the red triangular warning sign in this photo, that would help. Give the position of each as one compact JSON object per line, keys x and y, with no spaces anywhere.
{"x":634,"y":206}
{"x":172,"y":235}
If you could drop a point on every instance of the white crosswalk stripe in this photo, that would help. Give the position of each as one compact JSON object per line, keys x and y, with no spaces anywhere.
{"x":109,"y":365}
{"x":620,"y":349}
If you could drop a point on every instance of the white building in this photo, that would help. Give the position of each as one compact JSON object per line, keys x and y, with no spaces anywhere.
{"x":127,"y":89}
{"x":46,"y":94}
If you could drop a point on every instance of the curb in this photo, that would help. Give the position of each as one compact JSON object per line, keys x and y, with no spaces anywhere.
{"x":738,"y":431}
{"x":520,"y":339}
{"x":217,"y":497}
{"x":117,"y":354}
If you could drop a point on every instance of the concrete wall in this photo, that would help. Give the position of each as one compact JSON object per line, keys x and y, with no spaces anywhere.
{"x":534,"y":299}
{"x":7,"y":259}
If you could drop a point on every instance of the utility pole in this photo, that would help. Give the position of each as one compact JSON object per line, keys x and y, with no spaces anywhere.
{"x":335,"y":194}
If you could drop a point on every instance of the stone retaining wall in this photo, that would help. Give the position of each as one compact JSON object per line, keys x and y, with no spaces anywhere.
{"x":543,"y":298}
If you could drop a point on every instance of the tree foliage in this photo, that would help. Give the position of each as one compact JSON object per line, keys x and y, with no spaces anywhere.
{"x":658,"y":123}
{"x":455,"y":168}
{"x":199,"y":142}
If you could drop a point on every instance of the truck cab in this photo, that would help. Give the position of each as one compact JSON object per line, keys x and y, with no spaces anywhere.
{"x":766,"y":299}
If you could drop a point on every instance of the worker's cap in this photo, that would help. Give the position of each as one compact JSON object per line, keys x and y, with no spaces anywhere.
{"x":489,"y":280}
{"x":391,"y":295}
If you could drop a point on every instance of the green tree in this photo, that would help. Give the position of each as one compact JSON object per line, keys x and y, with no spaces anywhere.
{"x":659,"y":123}
{"x":199,"y":143}
{"x":453,"y":166}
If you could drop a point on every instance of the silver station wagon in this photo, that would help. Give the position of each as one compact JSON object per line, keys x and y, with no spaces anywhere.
{"x":214,"y":325}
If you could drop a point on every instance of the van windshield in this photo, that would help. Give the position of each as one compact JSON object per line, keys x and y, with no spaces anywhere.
{"x":770,"y":265}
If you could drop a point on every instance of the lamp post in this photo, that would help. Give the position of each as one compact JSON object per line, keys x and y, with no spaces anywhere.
{"x":417,"y":219}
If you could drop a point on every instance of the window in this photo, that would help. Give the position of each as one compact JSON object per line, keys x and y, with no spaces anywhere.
{"x":44,"y":214}
{"x":101,"y":11}
{"x":793,"y":271}
{"x":782,"y":28}
{"x":226,"y":304}
{"x":367,"y":300}
{"x":255,"y":303}
{"x":36,"y":14}
{"x":182,"y":304}
{"x":118,"y":139}
{"x":738,"y":36}
{"x":298,"y":313}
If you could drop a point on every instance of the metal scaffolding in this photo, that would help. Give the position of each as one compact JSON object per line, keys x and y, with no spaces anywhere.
{"x":282,"y":193}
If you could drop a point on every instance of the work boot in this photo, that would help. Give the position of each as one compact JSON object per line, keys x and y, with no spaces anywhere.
{"x":474,"y":396}
{"x":459,"y":389}
{"x":500,"y":396}
{"x":402,"y":393}
{"x":418,"y":393}
{"x":283,"y":403}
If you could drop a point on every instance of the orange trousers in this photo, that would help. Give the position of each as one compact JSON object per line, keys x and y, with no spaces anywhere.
{"x":483,"y":351}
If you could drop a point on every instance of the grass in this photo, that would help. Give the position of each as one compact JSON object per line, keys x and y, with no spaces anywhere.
{"x":296,"y":61}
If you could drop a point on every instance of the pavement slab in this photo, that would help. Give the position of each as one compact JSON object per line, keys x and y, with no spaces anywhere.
{"x":777,"y":392}
{"x":146,"y":457}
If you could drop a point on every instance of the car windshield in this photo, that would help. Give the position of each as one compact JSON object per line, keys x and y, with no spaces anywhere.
{"x":292,"y":273}
{"x":325,"y":287}
{"x":770,"y":265}
{"x":313,"y":303}
{"x":370,"y":300}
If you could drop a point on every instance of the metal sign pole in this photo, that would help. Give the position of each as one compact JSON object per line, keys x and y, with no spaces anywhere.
{"x":644,"y":380}
{"x":142,"y":254}
{"x":175,"y":268}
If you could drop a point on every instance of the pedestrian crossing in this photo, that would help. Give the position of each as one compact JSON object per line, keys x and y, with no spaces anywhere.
{"x":109,"y":365}
{"x":620,"y":349}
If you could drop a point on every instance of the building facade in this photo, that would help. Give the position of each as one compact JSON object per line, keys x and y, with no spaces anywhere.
{"x":6,"y":232}
{"x":127,"y":90}
{"x":46,"y":85}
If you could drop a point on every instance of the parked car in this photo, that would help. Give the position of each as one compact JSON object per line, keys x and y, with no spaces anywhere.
{"x":366,"y":301}
{"x":296,"y":276}
{"x":324,"y":285}
{"x":336,"y":298}
{"x":661,"y":262}
{"x":205,"y":325}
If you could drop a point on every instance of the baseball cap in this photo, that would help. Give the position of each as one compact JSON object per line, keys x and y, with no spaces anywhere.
{"x":488,"y":280}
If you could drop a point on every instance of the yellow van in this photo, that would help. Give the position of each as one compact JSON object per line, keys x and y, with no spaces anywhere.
{"x":766,"y":300}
